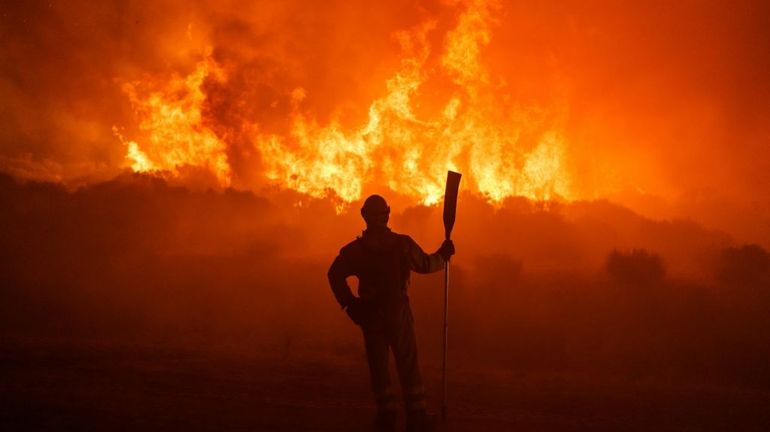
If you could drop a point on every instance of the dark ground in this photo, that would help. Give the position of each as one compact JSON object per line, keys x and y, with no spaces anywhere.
{"x":65,"y":385}
{"x":135,"y":305}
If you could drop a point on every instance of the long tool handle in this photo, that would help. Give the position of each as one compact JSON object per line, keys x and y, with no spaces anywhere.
{"x":446,"y":343}
{"x":450,"y":211}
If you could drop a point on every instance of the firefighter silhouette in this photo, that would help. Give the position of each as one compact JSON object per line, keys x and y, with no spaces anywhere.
{"x":382,"y":261}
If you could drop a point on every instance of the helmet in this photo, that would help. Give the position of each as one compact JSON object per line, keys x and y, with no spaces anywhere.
{"x":375,"y":209}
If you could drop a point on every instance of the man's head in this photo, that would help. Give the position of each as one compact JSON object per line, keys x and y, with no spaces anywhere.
{"x":375,"y":212}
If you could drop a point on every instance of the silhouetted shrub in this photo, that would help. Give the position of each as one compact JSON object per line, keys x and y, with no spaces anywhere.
{"x":635,"y":267}
{"x":748,"y":264}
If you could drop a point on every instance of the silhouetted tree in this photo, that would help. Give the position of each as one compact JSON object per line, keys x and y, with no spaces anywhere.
{"x":635,"y":267}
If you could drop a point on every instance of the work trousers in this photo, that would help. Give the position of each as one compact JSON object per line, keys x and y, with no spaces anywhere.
{"x":391,"y":328}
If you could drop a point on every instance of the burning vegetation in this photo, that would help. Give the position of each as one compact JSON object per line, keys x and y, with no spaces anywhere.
{"x":473,"y":125}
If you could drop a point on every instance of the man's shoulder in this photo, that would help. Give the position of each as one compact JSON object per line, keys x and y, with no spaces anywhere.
{"x":351,"y":248}
{"x":404,"y":241}
{"x":402,"y":237}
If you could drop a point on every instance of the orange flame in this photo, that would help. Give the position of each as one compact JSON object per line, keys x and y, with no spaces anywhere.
{"x":170,"y":114}
{"x":477,"y":130}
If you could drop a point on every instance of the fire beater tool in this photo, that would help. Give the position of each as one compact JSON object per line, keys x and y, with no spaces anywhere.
{"x":450,"y":211}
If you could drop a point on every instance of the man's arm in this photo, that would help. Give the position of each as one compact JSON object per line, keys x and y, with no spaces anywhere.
{"x":338,"y":272}
{"x":421,"y":262}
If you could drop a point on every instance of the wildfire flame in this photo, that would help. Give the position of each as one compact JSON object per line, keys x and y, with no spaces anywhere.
{"x":170,"y":113}
{"x":476,"y":130}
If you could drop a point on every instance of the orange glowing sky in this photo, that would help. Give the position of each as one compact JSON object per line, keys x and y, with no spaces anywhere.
{"x":662,"y":106}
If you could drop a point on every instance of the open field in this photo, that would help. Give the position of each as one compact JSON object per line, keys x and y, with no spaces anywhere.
{"x":68,"y":385}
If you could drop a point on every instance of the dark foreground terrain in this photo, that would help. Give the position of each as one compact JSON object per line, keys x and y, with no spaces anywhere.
{"x":66,"y":385}
{"x":136,"y":305}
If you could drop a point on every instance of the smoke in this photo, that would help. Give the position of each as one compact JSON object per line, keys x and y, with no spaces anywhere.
{"x":656,"y":266}
{"x":137,"y":260}
{"x":662,"y":107}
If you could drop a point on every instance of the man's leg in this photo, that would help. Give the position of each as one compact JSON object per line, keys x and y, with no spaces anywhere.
{"x":376,"y":344}
{"x":404,"y":345}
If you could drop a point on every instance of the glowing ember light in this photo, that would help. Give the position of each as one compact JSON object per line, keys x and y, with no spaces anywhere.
{"x":140,"y":163}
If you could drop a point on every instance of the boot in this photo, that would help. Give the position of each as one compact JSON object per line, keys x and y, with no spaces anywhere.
{"x":420,"y":421}
{"x":385,"y":421}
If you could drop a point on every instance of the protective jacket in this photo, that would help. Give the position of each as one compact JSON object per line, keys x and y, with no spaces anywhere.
{"x":382,"y":262}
